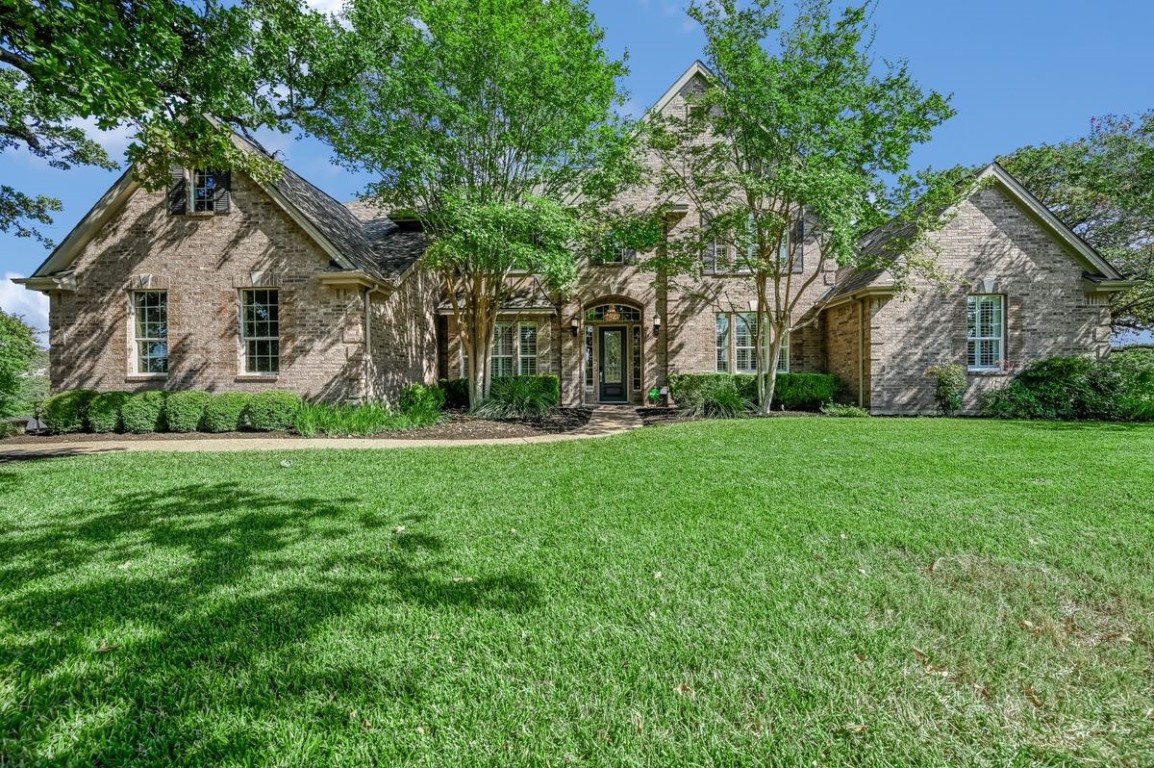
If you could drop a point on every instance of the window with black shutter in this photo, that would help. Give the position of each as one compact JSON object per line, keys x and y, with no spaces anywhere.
{"x":199,"y":191}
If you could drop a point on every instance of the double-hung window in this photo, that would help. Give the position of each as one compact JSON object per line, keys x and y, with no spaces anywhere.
{"x":150,"y":332}
{"x":260,"y":331}
{"x":203,"y":190}
{"x":527,"y":349}
{"x":985,"y":332}
{"x":501,"y":363}
{"x":514,"y":350}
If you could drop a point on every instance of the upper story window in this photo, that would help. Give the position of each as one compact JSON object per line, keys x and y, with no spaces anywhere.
{"x":150,"y":332}
{"x":199,"y":191}
{"x":260,"y":331}
{"x":720,"y":258}
{"x":985,"y":332}
{"x":613,"y":251}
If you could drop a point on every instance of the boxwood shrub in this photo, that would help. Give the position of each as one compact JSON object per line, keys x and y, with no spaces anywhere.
{"x":713,"y":393}
{"x":225,"y":412}
{"x":66,"y":412}
{"x":274,"y":411}
{"x":143,"y":412}
{"x":104,"y":412}
{"x":185,"y":410}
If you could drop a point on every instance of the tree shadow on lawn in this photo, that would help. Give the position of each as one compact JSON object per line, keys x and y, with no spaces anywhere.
{"x":119,"y":629}
{"x":1088,"y":426}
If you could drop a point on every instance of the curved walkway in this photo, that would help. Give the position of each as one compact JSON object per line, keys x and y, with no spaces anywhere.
{"x":603,"y":423}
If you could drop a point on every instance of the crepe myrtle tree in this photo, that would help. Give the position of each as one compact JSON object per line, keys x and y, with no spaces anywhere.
{"x":180,"y":76}
{"x":799,"y":136}
{"x":492,"y":123}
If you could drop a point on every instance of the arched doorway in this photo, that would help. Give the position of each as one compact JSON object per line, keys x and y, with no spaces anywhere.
{"x":612,"y":366}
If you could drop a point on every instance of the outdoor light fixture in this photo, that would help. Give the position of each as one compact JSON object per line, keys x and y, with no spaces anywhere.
{"x":574,"y":326}
{"x":656,"y":326}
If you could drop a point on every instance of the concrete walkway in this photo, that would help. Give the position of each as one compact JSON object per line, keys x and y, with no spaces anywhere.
{"x":605,"y":421}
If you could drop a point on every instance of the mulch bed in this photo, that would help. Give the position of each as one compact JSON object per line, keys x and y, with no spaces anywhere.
{"x":653,"y":416}
{"x":457,"y":425}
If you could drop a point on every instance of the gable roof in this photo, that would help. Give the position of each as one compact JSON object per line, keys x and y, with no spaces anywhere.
{"x":356,"y":240}
{"x":1098,"y":272}
{"x":696,"y":69}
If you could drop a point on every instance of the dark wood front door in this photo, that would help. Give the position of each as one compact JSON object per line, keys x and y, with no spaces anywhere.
{"x":614,"y":376}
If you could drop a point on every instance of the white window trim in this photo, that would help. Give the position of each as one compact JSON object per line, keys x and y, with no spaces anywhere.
{"x":242,"y":371}
{"x":522,"y":357}
{"x":1000,"y":338}
{"x":190,"y":193}
{"x":783,"y":361}
{"x":134,"y":371}
{"x":516,"y":355}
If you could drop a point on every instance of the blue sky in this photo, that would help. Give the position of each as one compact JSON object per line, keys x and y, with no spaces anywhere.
{"x":1020,"y":71}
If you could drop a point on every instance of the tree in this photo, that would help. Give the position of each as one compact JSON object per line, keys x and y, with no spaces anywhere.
{"x":181,"y":76}
{"x":17,"y":351}
{"x":491,"y":123}
{"x":797,"y":130}
{"x":1102,"y":187}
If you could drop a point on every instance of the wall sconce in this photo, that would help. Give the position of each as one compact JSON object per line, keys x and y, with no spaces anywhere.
{"x":574,"y":326}
{"x":656,"y":326}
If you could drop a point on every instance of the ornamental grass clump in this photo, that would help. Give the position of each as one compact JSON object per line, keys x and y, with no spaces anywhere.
{"x":365,"y":420}
{"x":521,"y":397}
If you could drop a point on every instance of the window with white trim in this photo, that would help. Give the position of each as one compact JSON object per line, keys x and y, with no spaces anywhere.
{"x":260,"y":331}
{"x":202,"y":191}
{"x":514,"y":350}
{"x":501,"y":363}
{"x":985,"y":332}
{"x":736,"y":341}
{"x":150,"y":332}
{"x":527,"y":349}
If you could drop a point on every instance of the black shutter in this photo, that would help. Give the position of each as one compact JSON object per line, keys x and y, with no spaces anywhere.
{"x":629,"y":256}
{"x":798,"y":236}
{"x":222,"y":194}
{"x":177,"y":191}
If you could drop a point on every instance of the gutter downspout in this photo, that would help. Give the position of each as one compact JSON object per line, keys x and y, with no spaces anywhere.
{"x":861,"y":353}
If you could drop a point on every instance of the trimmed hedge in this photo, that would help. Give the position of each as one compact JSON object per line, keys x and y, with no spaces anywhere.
{"x":1119,"y":388}
{"x":225,"y":412}
{"x":104,"y":412}
{"x":186,"y":410}
{"x":274,"y":411}
{"x":143,"y":412}
{"x":794,"y":391}
{"x":66,"y":412}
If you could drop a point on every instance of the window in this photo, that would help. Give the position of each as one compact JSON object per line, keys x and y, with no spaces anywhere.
{"x":613,"y":313}
{"x":589,"y":356}
{"x":204,"y":191}
{"x":514,"y":350}
{"x":740,"y":345}
{"x":636,"y":357}
{"x":260,"y":331}
{"x":150,"y":331}
{"x":527,"y":350}
{"x":985,"y":330}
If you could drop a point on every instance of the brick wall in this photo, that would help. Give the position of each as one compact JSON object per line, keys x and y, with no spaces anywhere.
{"x":1047,"y":311}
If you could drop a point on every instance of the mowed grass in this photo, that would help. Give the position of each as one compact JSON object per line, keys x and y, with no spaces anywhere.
{"x":773,"y":592}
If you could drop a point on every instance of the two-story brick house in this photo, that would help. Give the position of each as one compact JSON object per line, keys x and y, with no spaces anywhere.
{"x":225,"y":283}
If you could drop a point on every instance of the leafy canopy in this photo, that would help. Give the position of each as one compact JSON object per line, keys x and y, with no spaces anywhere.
{"x":180,"y":76}
{"x":1102,"y":186}
{"x":17,"y":352}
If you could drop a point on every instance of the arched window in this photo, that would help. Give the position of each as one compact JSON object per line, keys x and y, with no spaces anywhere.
{"x":613,"y":313}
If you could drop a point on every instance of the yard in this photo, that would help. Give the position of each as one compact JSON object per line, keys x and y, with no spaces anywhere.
{"x":788,"y":592}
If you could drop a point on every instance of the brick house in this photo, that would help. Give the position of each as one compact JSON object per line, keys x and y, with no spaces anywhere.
{"x":223,"y":283}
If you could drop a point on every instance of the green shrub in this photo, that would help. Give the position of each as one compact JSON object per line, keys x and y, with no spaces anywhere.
{"x":104,"y":412}
{"x":712,"y":395}
{"x":844,"y":410}
{"x":185,"y":410}
{"x":521,"y":397}
{"x":423,"y":405}
{"x":456,"y":392}
{"x":1135,"y":366}
{"x":225,"y":412}
{"x":348,"y":420}
{"x":143,"y":412}
{"x":804,"y":391}
{"x":1120,"y":388}
{"x":273,"y":411}
{"x":949,"y":387}
{"x":66,"y":412}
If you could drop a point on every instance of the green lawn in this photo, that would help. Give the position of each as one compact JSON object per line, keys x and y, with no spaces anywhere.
{"x":773,"y":592}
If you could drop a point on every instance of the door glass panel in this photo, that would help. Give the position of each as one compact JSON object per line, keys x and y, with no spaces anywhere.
{"x":612,"y":341}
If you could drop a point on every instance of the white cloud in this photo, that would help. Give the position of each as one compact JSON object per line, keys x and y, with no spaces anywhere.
{"x":115,"y":141}
{"x":18,"y":300}
{"x":326,"y":6}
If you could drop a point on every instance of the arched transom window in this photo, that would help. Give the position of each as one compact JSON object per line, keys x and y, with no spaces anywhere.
{"x":612,"y":313}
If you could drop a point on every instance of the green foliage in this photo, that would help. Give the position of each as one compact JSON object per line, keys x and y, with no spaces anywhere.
{"x":794,"y":391}
{"x":225,"y":412}
{"x":17,"y":351}
{"x":272,"y":411}
{"x":712,"y":395}
{"x":143,"y":412}
{"x":456,"y":392}
{"x":949,"y":386}
{"x":1119,"y":388}
{"x":103,"y":413}
{"x":844,"y":410}
{"x":67,"y":411}
{"x":521,"y":397}
{"x":1102,"y":187}
{"x":804,"y":391}
{"x":158,"y":69}
{"x":185,"y":410}
{"x":365,"y":420}
{"x":423,"y":405}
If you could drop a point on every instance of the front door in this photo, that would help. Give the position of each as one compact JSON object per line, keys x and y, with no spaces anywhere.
{"x":613,"y":374}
